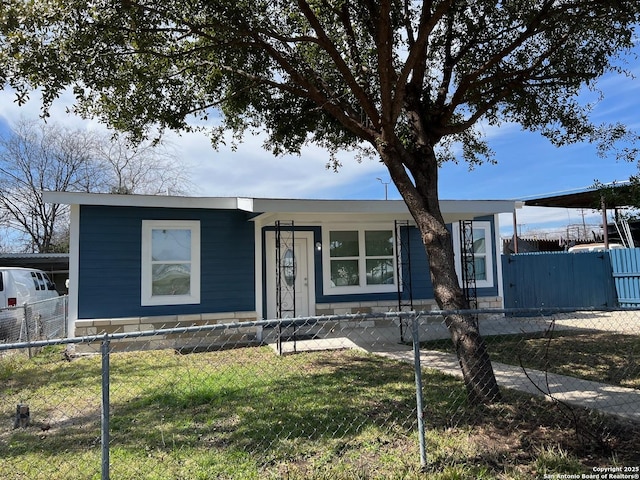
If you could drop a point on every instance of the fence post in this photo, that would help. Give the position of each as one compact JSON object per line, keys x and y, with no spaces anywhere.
{"x":105,"y":407}
{"x":419,"y":399}
{"x":25,"y":316}
{"x":279,"y":341}
{"x":65,"y":316}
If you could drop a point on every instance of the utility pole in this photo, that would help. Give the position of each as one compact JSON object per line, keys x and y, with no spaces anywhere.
{"x":385,"y":187}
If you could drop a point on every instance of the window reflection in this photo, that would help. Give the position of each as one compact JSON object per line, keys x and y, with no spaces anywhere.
{"x":171,"y":257}
{"x":289,"y":267}
{"x":361,"y":258}
{"x":171,"y":244}
{"x":171,"y":279}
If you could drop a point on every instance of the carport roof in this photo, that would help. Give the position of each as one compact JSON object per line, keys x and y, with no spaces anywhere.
{"x":585,"y":198}
{"x":49,"y":262}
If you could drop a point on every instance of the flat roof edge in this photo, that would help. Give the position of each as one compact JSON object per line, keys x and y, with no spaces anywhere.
{"x":160,"y":201}
{"x":265,"y":205}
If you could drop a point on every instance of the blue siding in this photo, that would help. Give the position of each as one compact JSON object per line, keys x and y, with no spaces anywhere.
{"x":421,"y":286}
{"x":420,"y":278}
{"x":110,"y":261}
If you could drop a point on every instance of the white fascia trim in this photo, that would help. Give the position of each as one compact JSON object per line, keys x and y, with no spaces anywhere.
{"x":451,"y":209}
{"x":477,"y":208}
{"x":74,"y":269}
{"x":284,"y":206}
{"x":258,"y":270}
{"x":162,"y":201}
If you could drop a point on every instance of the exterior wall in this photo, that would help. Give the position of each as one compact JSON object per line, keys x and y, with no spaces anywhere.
{"x":418,"y":279}
{"x":109,"y":271}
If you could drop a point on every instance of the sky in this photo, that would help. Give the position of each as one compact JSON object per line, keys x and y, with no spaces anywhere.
{"x":527,"y":164}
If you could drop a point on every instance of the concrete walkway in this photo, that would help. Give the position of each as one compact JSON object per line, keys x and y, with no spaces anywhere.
{"x":609,"y":399}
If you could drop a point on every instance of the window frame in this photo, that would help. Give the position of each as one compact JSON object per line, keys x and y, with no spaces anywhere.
{"x":146,"y":295}
{"x":363,"y":287}
{"x":488,"y":255}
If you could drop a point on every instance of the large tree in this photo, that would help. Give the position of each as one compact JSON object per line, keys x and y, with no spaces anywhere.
{"x":411,"y":80}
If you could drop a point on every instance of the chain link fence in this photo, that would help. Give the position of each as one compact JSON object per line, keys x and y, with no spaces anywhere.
{"x":42,"y":320}
{"x":353,"y":396}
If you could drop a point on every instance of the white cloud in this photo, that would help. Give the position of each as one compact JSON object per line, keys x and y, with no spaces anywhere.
{"x":248,"y":171}
{"x":11,"y":112}
{"x":253,"y":171}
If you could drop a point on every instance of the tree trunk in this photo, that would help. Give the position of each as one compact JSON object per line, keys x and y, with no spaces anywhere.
{"x":421,"y":196}
{"x":469,"y":345}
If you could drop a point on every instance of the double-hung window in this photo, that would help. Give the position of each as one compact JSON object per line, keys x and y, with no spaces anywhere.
{"x":359,"y":260}
{"x":482,"y":247}
{"x":170,"y":262}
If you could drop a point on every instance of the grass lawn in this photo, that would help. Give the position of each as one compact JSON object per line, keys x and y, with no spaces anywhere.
{"x":604,"y":357}
{"x":248,"y":413}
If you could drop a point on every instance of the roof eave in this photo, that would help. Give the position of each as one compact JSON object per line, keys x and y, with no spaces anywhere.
{"x":472,"y":208}
{"x":159,"y":201}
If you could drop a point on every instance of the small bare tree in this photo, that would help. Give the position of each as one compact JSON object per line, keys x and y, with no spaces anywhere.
{"x":144,"y":168}
{"x":35,"y":157}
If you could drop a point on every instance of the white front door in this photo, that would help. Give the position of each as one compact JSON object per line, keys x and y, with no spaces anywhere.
{"x":296,"y":276}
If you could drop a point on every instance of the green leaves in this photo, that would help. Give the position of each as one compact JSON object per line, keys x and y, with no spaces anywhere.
{"x":336,"y":72}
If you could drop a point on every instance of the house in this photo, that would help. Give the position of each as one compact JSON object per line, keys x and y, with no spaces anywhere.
{"x":143,"y":262}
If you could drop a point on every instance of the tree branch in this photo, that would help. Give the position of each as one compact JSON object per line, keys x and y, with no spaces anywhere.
{"x":346,"y":73}
{"x":416,"y":63}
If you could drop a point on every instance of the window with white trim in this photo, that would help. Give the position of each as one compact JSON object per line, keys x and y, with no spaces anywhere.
{"x":170,"y":262}
{"x":482,"y":256}
{"x":359,"y":260}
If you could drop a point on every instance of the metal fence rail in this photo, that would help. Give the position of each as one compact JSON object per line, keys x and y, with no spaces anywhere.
{"x":319,"y":397}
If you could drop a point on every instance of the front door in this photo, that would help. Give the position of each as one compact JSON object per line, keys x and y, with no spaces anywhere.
{"x":296,"y":280}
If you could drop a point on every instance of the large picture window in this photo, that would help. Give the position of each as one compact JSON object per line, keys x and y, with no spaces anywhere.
{"x":359,"y":261}
{"x":170,"y":262}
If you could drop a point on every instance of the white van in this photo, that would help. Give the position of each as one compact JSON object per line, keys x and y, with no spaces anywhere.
{"x":24,"y":285}
{"x":19,"y":286}
{"x":593,"y":247}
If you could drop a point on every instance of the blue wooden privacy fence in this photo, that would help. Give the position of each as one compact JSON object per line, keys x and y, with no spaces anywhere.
{"x":550,"y":279}
{"x":625,"y":265}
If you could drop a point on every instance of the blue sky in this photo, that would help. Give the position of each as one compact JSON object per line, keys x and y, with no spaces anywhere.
{"x":528,"y":165}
